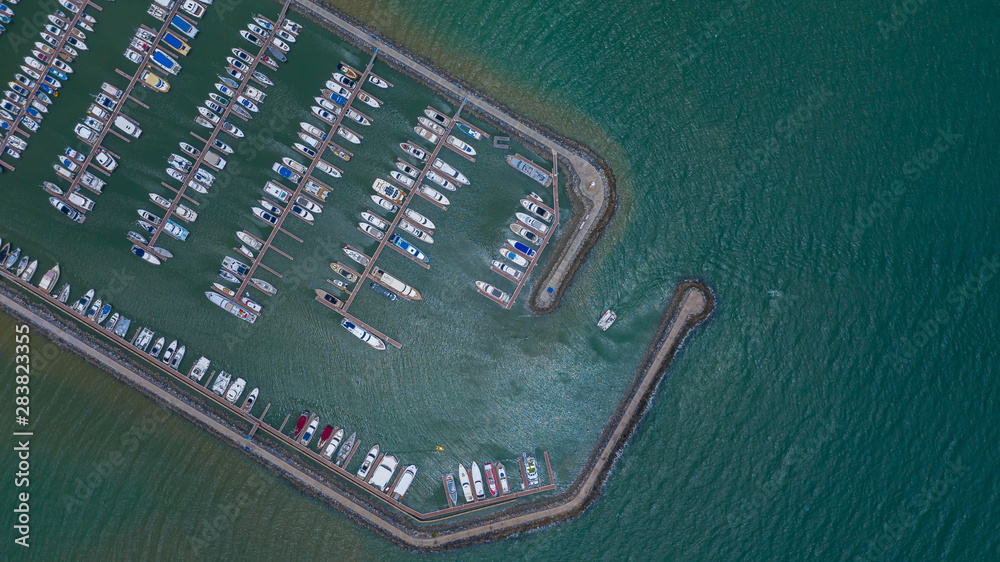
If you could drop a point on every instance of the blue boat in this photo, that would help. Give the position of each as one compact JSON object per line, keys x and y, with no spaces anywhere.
{"x":337,"y":99}
{"x":522,"y":248}
{"x":45,"y":88}
{"x":184,"y":26}
{"x":176,"y":43}
{"x":57,"y":73}
{"x":166,"y":62}
{"x":402,"y":244}
{"x":175,"y":230}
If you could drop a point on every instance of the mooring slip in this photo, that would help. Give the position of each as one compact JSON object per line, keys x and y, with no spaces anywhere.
{"x":22,"y":114}
{"x":96,"y":143}
{"x":222,"y":120}
{"x":320,"y":151}
{"x":593,"y":186}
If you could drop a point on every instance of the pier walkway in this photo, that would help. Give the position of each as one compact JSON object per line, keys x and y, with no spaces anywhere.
{"x":691,"y":304}
{"x":320,"y":152}
{"x":594,"y":188}
{"x":58,"y":48}
{"x":109,"y":124}
{"x":227,"y":111}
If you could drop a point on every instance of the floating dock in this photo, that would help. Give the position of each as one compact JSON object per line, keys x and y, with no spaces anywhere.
{"x":58,"y":48}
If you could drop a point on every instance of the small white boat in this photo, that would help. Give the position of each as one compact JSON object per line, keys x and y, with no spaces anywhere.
{"x":363,"y":334}
{"x":607,"y":319}
{"x":493,"y":292}
{"x":463,"y":479}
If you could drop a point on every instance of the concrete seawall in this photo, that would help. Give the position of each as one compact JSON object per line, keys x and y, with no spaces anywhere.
{"x":592,"y":187}
{"x":691,"y":304}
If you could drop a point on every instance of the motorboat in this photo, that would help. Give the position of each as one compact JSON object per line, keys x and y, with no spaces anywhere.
{"x":236,"y":390}
{"x":382,"y":476}
{"x":450,"y":171}
{"x":29,"y":271}
{"x":525,"y":233}
{"x":404,"y":290}
{"x":356,"y":256}
{"x":463,"y":478}
{"x":530,"y":469}
{"x":49,"y":280}
{"x":417,"y":233}
{"x":402,"y":244}
{"x":155,"y":82}
{"x":64,"y":293}
{"x":414,"y":151}
{"x":200,"y":368}
{"x":426,"y":135}
{"x":371,"y":231}
{"x":366,"y":465}
{"x":437,"y":116}
{"x":346,"y":448}
{"x":127,"y":126}
{"x":518,"y":259}
{"x":389,"y":191}
{"x":524,"y":249}
{"x":363,"y":334}
{"x":493,"y":291}
{"x":84,"y":301}
{"x":328,"y":299}
{"x":169,"y":352}
{"x":431,"y":126}
{"x":490,"y":479}
{"x":331,"y":446}
{"x":469,"y":131}
{"x":249,"y":240}
{"x":401,"y":178}
{"x":65,"y":209}
{"x":265,"y":216}
{"x":384,"y":203}
{"x":532,"y":222}
{"x":441,"y":180}
{"x":529,"y":169}
{"x":236,"y":266}
{"x":375,"y":220}
{"x":263,"y":286}
{"x":176,"y":43}
{"x":221,"y":383}
{"x":142,"y":340}
{"x":378,"y":82}
{"x":508,"y":270}
{"x":251,"y":398}
{"x":477,"y":481}
{"x":536,"y":210}
{"x":403,"y":484}
{"x":460,"y":145}
{"x":419,"y":219}
{"x":121,"y":329}
{"x":434,"y":194}
{"x":449,"y":481}
{"x":502,"y":477}
{"x":157,"y":347}
{"x":606,"y":320}
{"x":229,"y":306}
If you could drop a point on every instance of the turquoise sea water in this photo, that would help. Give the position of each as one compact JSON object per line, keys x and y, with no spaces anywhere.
{"x":833,"y":179}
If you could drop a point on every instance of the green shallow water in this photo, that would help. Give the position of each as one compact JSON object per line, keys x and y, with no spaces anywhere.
{"x":821,"y":407}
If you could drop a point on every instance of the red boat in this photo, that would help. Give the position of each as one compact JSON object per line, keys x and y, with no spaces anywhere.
{"x":301,"y":423}
{"x":324,"y":436}
{"x":491,"y":481}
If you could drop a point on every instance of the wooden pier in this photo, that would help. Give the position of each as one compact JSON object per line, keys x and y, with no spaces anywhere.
{"x":109,"y":124}
{"x":16,"y":125}
{"x":227,"y":111}
{"x":532,"y":260}
{"x":307,"y":176}
{"x":402,"y":211}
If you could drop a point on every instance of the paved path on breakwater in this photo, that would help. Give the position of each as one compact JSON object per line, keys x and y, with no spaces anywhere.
{"x":594,"y":189}
{"x":691,"y":304}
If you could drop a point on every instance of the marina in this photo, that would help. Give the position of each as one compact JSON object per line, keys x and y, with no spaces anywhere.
{"x":429,"y":180}
{"x":59,"y":49}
